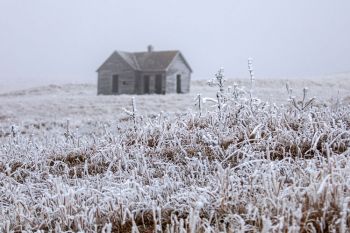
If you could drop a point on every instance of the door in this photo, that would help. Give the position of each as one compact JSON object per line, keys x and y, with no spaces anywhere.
{"x":159,"y":84}
{"x":178,"y":83}
{"x":115,"y":84}
{"x":146,"y":84}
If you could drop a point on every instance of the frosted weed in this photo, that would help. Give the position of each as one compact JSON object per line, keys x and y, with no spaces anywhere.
{"x":241,"y":165}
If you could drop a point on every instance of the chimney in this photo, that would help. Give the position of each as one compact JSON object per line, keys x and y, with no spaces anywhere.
{"x":150,"y":48}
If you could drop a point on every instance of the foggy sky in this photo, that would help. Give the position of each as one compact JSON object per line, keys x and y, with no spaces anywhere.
{"x":43,"y":42}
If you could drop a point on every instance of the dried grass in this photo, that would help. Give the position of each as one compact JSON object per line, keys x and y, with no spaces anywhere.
{"x":253,"y":168}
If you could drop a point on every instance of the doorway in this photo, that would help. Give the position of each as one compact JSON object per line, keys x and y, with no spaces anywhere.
{"x":178,"y":83}
{"x":159,"y":84}
{"x":115,"y":84}
{"x":146,"y":84}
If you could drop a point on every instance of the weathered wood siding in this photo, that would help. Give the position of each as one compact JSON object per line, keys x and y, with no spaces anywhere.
{"x":178,"y":67}
{"x":140,"y":86}
{"x":116,"y":65}
{"x":131,"y":81}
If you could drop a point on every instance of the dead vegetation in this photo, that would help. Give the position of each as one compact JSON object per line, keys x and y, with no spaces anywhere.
{"x":247,"y":166}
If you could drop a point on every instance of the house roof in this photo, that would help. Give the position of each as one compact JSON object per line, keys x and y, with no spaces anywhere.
{"x":151,"y":61}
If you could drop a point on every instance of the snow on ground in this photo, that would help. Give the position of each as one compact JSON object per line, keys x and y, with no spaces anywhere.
{"x":72,"y":161}
{"x":79,"y":101}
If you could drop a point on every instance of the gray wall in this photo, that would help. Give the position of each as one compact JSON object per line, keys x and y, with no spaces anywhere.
{"x":132,"y":82}
{"x":152,"y":83}
{"x":115,"y":65}
{"x":178,"y":66}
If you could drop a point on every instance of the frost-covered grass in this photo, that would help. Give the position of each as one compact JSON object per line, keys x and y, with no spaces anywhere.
{"x":248,"y":166}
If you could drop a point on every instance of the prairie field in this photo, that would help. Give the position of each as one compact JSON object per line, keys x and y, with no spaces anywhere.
{"x":261,"y":158}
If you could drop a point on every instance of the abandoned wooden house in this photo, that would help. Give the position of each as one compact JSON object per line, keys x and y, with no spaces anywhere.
{"x":159,"y":72}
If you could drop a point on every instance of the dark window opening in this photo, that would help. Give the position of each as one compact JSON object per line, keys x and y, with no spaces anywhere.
{"x":115,"y":84}
{"x":178,"y":84}
{"x":159,"y":84}
{"x":146,"y":84}
{"x":125,"y":82}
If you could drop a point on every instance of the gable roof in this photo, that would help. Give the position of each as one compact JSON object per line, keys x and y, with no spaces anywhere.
{"x":150,"y":61}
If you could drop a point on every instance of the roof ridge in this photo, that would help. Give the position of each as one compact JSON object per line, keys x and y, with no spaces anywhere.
{"x":158,"y":51}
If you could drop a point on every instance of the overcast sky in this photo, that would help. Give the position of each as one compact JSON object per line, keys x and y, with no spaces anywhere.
{"x":43,"y":41}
